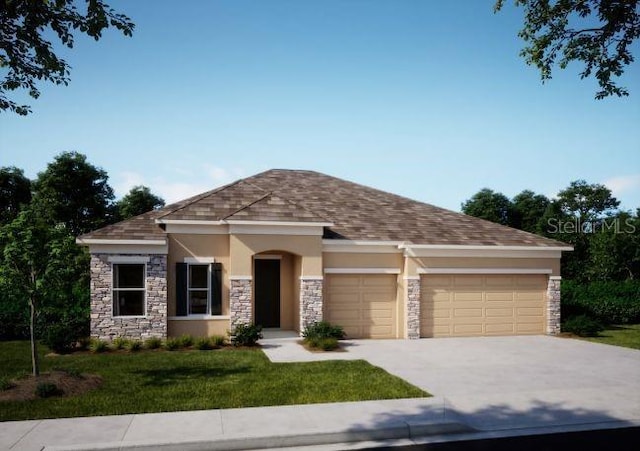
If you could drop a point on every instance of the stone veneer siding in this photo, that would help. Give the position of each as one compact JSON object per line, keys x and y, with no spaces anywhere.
{"x":240,"y":301}
{"x":104,"y":325}
{"x":553,"y":305}
{"x":413,"y":308}
{"x":310,"y":302}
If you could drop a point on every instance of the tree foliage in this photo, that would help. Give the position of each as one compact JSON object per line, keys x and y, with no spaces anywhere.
{"x":15,"y":192}
{"x":529,"y":208}
{"x":138,"y":200}
{"x":489,"y":205}
{"x":75,"y":193}
{"x":26,"y":50}
{"x":597,"y":33}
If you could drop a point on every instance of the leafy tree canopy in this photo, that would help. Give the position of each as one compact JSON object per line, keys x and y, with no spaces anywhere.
{"x":138,"y":200}
{"x":530,"y":207}
{"x":585,"y":201}
{"x":75,"y":193}
{"x":26,"y":51}
{"x":489,"y":205}
{"x":597,"y":33}
{"x":15,"y":192}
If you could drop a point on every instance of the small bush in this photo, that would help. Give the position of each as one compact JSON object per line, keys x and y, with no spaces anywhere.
{"x":153,"y":343}
{"x":186,"y":341}
{"x":98,"y":346}
{"x":323,"y":329}
{"x":120,"y":343}
{"x":172,"y":344}
{"x":246,"y":335}
{"x":60,"y":337}
{"x":46,"y":389}
{"x":218,"y":341}
{"x":325,"y":343}
{"x":134,"y":345}
{"x":5,"y":384}
{"x":608,"y":302}
{"x":582,"y":325}
{"x":83,"y":343}
{"x":203,"y":344}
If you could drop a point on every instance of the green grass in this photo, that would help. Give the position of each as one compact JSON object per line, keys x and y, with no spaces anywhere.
{"x":627,"y":336}
{"x":163,"y":381}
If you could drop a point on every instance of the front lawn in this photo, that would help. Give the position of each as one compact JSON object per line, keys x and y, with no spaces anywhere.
{"x":627,"y":336}
{"x":163,"y":381}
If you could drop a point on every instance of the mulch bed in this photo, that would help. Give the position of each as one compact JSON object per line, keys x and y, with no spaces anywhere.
{"x":24,"y":389}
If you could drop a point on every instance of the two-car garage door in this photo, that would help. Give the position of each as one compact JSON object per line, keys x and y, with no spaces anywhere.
{"x":475,"y":305}
{"x":363,"y":304}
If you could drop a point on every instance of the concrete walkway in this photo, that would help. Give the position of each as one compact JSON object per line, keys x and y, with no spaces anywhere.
{"x":482,"y":387}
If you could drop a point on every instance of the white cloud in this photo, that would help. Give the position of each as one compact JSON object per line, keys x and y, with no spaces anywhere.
{"x":180,"y":183}
{"x":623,"y":183}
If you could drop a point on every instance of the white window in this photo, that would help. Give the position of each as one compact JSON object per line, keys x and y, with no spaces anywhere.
{"x":128,"y":292}
{"x":199,"y":289}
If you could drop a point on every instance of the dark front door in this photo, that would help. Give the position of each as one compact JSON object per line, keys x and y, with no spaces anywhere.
{"x":267,"y":295}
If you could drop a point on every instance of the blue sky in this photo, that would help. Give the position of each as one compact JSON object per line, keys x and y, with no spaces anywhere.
{"x":427,"y":99}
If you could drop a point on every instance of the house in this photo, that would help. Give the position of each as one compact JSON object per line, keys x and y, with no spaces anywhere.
{"x":286,"y":248}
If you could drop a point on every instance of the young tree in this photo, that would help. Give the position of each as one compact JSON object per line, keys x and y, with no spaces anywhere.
{"x":492,"y":206}
{"x":597,"y":33}
{"x":15,"y":192}
{"x":138,"y":200}
{"x":35,"y":257}
{"x":75,"y":193}
{"x":26,"y":50}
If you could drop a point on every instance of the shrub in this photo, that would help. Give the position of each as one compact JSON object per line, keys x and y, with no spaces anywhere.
{"x":324,"y":343}
{"x":323,"y":329}
{"x":97,"y":346}
{"x":5,"y":384}
{"x":134,"y":345}
{"x":246,"y":334}
{"x":186,"y":341}
{"x":218,"y":341}
{"x":203,"y":344}
{"x":172,"y":344}
{"x":60,"y":337}
{"x":120,"y":343}
{"x":582,"y":325}
{"x":46,"y":389}
{"x":83,"y":343}
{"x":153,"y":343}
{"x":608,"y":302}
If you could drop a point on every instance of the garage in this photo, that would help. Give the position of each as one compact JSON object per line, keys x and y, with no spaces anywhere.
{"x":364,"y":305}
{"x":458,"y":305}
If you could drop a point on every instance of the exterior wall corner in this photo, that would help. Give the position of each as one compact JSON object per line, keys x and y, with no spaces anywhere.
{"x":413,"y":308}
{"x":553,"y":305}
{"x":311,"y":302}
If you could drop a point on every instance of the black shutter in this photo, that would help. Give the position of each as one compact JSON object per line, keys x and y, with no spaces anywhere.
{"x":216,"y":289}
{"x":181,"y":289}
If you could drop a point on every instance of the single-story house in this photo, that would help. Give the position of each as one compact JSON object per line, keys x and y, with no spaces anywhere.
{"x":286,"y":248}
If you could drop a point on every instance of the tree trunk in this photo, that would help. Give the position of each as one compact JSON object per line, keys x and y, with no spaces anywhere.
{"x":32,"y":332}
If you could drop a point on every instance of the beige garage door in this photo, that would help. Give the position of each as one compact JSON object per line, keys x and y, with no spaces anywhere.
{"x":473,"y":305}
{"x":365,"y":305}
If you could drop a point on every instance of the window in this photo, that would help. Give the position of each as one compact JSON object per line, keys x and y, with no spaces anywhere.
{"x":128,"y":289}
{"x":198,"y":289}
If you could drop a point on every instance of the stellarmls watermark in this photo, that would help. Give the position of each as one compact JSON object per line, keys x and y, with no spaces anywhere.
{"x":576,"y":225}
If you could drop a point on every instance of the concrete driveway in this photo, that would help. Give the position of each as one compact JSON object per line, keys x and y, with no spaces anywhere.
{"x":496,"y":382}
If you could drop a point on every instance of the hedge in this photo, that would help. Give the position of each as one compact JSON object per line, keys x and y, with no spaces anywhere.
{"x":607,"y":302}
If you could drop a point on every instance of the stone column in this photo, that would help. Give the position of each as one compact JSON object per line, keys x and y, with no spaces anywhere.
{"x":154,"y":324}
{"x":240,"y":296}
{"x":413,"y":307}
{"x":553,"y":305}
{"x":310,"y":301}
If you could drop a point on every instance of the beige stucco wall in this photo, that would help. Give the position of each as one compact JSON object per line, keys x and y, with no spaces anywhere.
{"x":297,"y":272}
{"x":350,"y":260}
{"x":412,"y":264}
{"x":287,"y":281}
{"x":243,"y":247}
{"x":181,"y":246}
{"x":198,"y":328}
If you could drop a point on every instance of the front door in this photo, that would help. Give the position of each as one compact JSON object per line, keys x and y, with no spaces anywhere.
{"x":267,"y":292}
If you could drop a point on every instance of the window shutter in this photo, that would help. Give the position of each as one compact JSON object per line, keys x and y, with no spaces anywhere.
{"x":181,"y":289}
{"x":216,"y":288}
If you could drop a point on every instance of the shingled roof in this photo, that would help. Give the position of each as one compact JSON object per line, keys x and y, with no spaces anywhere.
{"x":357,"y":212}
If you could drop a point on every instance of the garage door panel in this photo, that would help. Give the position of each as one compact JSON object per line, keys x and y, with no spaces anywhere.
{"x":364,"y":305}
{"x":483,"y":305}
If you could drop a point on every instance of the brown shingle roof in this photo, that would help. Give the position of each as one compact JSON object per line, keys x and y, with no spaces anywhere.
{"x":358,"y":213}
